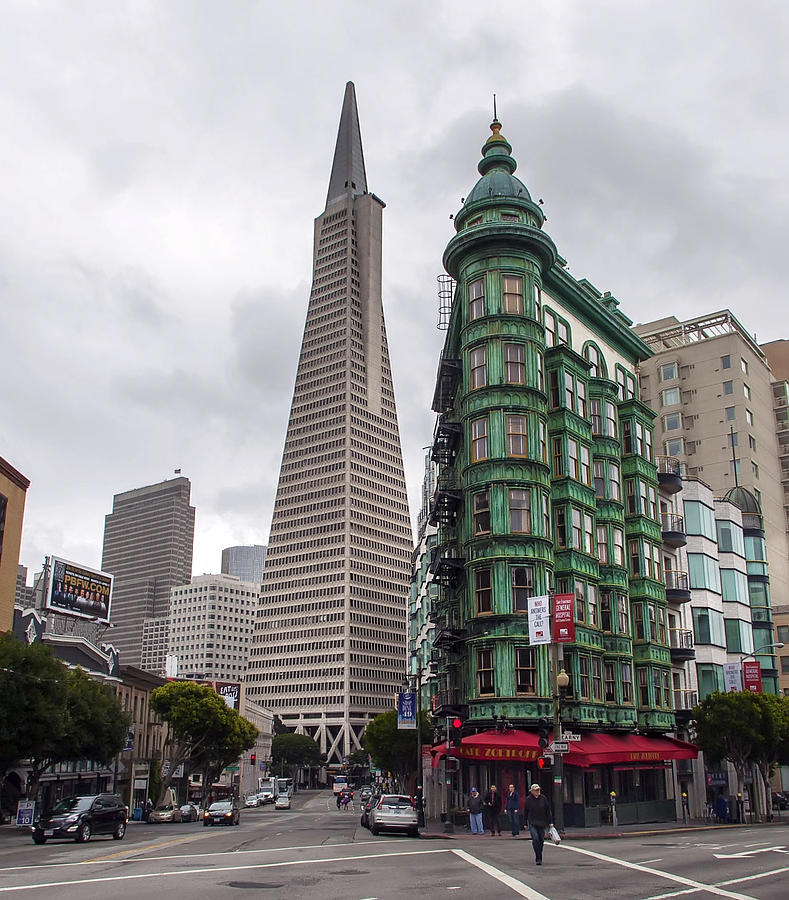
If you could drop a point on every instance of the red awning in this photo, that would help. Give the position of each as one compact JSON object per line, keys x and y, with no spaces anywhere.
{"x":602,"y":749}
{"x":591,"y":750}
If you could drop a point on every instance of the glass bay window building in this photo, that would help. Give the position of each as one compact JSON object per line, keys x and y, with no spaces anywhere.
{"x":549,"y":482}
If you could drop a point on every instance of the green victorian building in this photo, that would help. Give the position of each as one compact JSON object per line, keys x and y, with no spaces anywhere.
{"x":548,"y":485}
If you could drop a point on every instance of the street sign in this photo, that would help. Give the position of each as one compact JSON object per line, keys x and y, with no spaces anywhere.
{"x":559,"y":747}
{"x":25,"y":813}
{"x":569,"y":736}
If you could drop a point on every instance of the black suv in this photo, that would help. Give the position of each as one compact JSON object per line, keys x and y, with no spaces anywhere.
{"x":78,"y":818}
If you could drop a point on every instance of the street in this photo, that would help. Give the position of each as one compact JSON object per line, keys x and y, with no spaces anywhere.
{"x":316,"y":852}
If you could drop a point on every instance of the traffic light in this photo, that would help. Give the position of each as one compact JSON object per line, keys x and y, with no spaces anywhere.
{"x":544,"y":762}
{"x":253,"y":759}
{"x":543,"y":727}
{"x":456,"y":725}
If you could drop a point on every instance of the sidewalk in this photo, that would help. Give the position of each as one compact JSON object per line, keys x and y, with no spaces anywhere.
{"x":434,"y":830}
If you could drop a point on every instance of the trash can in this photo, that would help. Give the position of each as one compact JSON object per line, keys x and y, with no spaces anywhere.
{"x":137,"y":814}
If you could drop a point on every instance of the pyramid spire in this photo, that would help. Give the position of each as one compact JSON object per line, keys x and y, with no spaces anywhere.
{"x":347,"y":172}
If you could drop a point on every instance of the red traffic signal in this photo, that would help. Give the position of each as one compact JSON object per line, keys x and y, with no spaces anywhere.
{"x":253,"y":759}
{"x":457,"y":723}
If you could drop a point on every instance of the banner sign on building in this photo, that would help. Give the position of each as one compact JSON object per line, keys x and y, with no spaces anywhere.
{"x":563,"y":618}
{"x":539,"y":620}
{"x":77,"y":590}
{"x":732,"y":677}
{"x":752,"y":676}
{"x":406,"y":710}
{"x":230,"y":692}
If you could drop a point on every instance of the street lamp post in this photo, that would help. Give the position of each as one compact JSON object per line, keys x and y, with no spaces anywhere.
{"x":778,"y":645}
{"x":562,"y":681}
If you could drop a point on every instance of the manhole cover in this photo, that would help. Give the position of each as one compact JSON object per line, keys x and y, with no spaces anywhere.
{"x":252,"y":885}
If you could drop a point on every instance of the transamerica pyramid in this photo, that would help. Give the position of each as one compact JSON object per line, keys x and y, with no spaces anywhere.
{"x":329,"y":649}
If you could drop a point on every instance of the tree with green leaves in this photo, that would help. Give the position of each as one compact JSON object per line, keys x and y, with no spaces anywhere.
{"x":32,"y":701}
{"x":290,"y":752}
{"x":197,"y":719}
{"x":223,"y":750}
{"x":50,"y":714}
{"x":392,"y":748}
{"x":745,"y":729}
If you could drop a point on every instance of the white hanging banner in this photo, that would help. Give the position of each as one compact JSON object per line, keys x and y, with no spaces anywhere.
{"x":732,"y":677}
{"x":539,"y":620}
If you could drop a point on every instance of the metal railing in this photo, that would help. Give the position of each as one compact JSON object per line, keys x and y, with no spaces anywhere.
{"x":680,"y":638}
{"x":685,"y":699}
{"x":668,"y":465}
{"x":672,"y":522}
{"x":677,"y":580}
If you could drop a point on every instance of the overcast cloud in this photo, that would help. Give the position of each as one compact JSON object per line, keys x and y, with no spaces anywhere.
{"x":161,"y":164}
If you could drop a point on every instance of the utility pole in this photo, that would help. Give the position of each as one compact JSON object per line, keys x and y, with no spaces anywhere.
{"x":558,"y":689}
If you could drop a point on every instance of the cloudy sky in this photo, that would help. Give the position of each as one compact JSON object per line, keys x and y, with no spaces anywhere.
{"x":161,"y":164}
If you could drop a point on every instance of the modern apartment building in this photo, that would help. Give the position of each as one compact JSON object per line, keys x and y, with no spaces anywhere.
{"x":711,"y":388}
{"x":148,"y":539}
{"x":13,"y":492}
{"x":330,"y":641}
{"x":245,"y":562}
{"x":210,"y":626}
{"x":550,"y":491}
{"x":777,"y":353}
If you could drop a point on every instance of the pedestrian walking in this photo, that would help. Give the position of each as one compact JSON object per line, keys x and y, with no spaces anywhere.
{"x":475,"y":812}
{"x":513,"y":807}
{"x":538,"y":815}
{"x":493,"y":810}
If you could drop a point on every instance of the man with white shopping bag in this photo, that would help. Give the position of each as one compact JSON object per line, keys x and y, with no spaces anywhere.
{"x":539,"y":817}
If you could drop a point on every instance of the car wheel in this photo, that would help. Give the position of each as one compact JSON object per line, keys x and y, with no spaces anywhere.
{"x":206,"y":824}
{"x":83,"y":833}
{"x":39,"y":839}
{"x":414,"y":832}
{"x":119,"y":832}
{"x":374,"y":829}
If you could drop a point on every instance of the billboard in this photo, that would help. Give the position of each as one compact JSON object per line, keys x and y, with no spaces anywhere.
{"x":77,"y":590}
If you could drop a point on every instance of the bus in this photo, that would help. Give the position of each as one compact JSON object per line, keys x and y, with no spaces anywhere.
{"x":339,"y":783}
{"x":285,"y":786}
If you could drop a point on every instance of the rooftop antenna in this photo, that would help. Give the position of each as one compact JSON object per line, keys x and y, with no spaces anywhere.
{"x":495,"y":117}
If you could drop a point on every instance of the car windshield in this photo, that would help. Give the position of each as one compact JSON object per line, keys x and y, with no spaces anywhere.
{"x":72,"y":804}
{"x":221,"y":806}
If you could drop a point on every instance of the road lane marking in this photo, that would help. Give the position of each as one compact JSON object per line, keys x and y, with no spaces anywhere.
{"x":747,"y":854}
{"x":98,"y":860}
{"x":214,"y":870}
{"x":721,"y":883}
{"x":643,"y":862}
{"x":518,"y":886}
{"x":669,"y":876}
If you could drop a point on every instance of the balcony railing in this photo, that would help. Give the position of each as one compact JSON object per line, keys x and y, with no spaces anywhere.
{"x":673,"y":527}
{"x":669,"y":470}
{"x":680,"y":639}
{"x":685,"y":699}
{"x":676,"y":580}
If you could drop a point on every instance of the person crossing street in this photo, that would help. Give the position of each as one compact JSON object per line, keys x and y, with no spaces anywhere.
{"x":539,"y":816}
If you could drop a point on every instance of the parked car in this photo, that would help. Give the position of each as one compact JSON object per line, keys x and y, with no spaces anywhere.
{"x":189,"y":813}
{"x":394,"y":812}
{"x":780,"y":800}
{"x":252,"y":800}
{"x":223,"y":812}
{"x":166,"y":813}
{"x":282,"y":802}
{"x":364,"y":820}
{"x":79,"y":818}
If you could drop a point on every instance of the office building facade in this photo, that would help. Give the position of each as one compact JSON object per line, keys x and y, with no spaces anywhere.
{"x":210,"y":627}
{"x":330,"y":641}
{"x":13,"y":493}
{"x":245,"y":562}
{"x":148,"y":541}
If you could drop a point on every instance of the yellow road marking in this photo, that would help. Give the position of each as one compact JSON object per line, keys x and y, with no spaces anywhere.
{"x":143,"y":849}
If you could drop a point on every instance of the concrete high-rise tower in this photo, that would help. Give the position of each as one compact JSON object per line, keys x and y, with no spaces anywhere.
{"x":329,"y":649}
{"x":148,"y":539}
